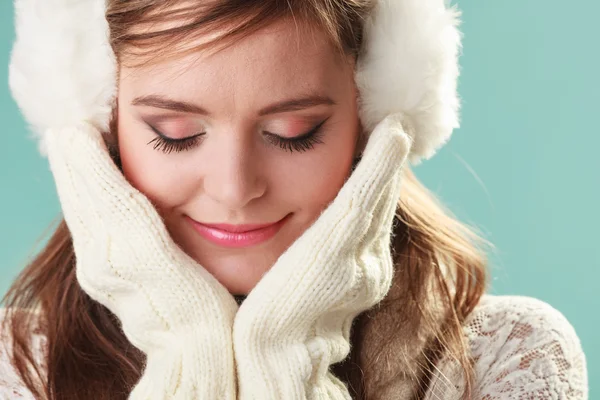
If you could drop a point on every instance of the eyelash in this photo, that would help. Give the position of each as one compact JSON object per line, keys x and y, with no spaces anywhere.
{"x":168,"y":145}
{"x":301,"y":143}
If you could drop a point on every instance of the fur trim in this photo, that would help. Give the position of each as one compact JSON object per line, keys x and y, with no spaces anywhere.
{"x":63,"y":70}
{"x":409,"y":65}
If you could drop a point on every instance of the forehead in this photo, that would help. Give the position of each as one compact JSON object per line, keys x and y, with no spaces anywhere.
{"x":284,"y":58}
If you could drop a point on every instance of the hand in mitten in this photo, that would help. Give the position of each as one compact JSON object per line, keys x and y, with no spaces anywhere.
{"x":170,"y":307}
{"x":296,"y":322}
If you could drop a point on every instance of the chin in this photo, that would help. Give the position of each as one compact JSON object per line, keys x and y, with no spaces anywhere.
{"x":239,"y":288}
{"x":239,"y":278}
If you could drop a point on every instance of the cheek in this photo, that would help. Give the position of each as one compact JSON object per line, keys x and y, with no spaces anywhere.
{"x":148,"y":170}
{"x":317,"y":177}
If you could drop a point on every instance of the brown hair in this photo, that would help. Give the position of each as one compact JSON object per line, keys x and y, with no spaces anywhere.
{"x":440,"y":264}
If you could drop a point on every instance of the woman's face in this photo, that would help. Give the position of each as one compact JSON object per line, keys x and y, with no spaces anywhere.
{"x":272,"y":127}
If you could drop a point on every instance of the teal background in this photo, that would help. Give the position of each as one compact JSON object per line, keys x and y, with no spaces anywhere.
{"x":523,"y":167}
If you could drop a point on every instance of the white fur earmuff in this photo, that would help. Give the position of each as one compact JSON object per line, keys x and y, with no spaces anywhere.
{"x":409,"y":65}
{"x":63,"y":71}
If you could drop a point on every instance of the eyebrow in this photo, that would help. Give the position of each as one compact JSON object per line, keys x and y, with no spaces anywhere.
{"x":163,"y":102}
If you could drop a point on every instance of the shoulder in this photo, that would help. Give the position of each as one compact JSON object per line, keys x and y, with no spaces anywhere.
{"x":523,"y":346}
{"x":507,"y":319}
{"x":11,"y":386}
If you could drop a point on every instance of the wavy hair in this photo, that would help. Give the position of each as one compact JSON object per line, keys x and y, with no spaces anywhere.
{"x":440,"y":264}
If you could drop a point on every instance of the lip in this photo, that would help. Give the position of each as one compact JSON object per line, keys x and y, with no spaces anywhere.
{"x":237,"y":236}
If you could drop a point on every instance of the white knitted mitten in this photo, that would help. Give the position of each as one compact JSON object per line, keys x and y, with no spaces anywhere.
{"x":169,"y":306}
{"x":296,"y":322}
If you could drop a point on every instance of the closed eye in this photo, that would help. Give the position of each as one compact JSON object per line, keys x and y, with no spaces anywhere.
{"x":168,"y":145}
{"x":302,"y":143}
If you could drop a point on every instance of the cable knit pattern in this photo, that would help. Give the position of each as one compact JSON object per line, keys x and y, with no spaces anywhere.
{"x":523,"y":349}
{"x":296,"y":322}
{"x":168,"y":305}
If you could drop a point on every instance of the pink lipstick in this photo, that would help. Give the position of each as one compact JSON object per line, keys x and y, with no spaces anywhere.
{"x":236,"y":236}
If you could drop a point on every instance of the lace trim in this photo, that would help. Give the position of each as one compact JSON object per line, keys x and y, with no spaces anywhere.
{"x":523,"y":349}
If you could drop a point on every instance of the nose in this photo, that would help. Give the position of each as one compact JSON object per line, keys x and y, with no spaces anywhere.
{"x":234,"y":178}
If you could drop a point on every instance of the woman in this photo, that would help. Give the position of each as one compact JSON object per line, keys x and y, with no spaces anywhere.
{"x":239,"y":221}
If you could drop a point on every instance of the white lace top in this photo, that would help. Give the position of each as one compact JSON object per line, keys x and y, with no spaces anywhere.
{"x":522,"y":347}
